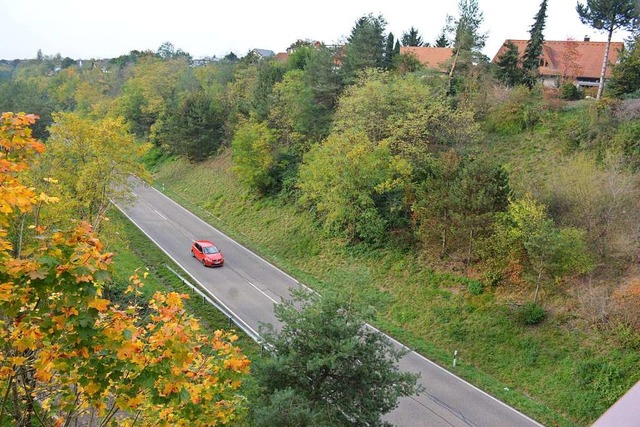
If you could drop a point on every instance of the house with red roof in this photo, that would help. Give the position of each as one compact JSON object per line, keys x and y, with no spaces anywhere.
{"x":438,"y":58}
{"x":578,"y":62}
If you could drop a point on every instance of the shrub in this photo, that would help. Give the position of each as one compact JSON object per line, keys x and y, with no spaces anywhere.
{"x":519,"y":111}
{"x":570,"y":92}
{"x":530,"y":314}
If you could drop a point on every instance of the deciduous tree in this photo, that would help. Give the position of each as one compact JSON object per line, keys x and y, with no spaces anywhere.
{"x":344,"y":180}
{"x":68,"y":355}
{"x":254,"y":155}
{"x":527,"y":241}
{"x":91,"y":161}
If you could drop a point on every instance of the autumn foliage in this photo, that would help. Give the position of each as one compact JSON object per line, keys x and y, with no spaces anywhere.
{"x":67,"y":353}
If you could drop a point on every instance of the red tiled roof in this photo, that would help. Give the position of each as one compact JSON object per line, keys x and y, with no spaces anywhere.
{"x":281,"y":57}
{"x":432,"y":57}
{"x":570,"y":57}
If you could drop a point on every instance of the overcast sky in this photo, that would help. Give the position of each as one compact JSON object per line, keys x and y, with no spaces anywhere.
{"x":83,"y":29}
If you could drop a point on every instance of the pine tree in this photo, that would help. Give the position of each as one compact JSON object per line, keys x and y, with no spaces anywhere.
{"x":508,"y":70}
{"x":609,"y":16}
{"x":531,"y":60}
{"x":365,"y":47}
{"x":442,"y":40}
{"x":412,"y":38}
{"x":626,"y":74}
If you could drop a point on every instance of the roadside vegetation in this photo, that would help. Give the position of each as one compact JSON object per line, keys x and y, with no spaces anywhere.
{"x":473,"y":211}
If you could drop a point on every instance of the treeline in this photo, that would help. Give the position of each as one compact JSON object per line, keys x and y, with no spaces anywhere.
{"x":384,"y":151}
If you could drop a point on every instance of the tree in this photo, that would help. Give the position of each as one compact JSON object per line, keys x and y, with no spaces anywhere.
{"x":406,"y":110}
{"x":346,"y":179}
{"x":91,"y":161}
{"x":442,"y":40}
{"x":168,"y":51}
{"x":340,"y":371}
{"x":323,"y":78}
{"x":254,"y":155}
{"x":467,"y":40}
{"x":390,"y":51}
{"x":269,"y":73}
{"x":149,"y":90}
{"x":457,"y":202}
{"x":67,"y":354}
{"x":625,"y":77}
{"x":192,"y":127}
{"x":18,"y":95}
{"x":509,"y":71}
{"x":527,"y":241}
{"x":608,"y":16}
{"x":232,"y":57}
{"x":413,"y":38}
{"x":365,"y":46}
{"x":533,"y":51}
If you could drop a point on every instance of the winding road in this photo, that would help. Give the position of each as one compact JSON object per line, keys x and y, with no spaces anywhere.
{"x":248,"y":287}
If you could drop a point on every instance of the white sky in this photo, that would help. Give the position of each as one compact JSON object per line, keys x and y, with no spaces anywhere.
{"x":83,"y":29}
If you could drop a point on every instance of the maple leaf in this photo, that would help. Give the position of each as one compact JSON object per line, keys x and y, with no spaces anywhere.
{"x":6,"y":291}
{"x":99,"y":304}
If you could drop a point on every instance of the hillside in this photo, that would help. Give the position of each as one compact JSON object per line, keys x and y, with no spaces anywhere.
{"x":561,"y":371}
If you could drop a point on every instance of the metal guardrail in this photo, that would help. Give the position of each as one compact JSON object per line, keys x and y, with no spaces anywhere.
{"x":211,"y":300}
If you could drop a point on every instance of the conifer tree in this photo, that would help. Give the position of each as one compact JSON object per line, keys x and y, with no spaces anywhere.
{"x":389,"y":51}
{"x":609,"y":16}
{"x":531,"y":60}
{"x":412,"y":38}
{"x":365,"y":47}
{"x":508,"y":70}
{"x":442,"y":40}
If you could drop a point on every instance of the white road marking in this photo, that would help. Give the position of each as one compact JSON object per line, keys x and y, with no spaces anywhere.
{"x":161,"y":216}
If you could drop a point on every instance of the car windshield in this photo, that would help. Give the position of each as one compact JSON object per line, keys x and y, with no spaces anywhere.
{"x":210,"y":250}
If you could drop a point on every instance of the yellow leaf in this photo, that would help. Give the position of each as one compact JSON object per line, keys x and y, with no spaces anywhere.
{"x":18,"y":361}
{"x":6,"y":291}
{"x":92,"y":388}
{"x":134,"y":402}
{"x":99,"y":304}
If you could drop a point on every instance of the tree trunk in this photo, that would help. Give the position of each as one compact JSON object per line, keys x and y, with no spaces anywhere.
{"x":604,"y":63}
{"x":535,"y":296}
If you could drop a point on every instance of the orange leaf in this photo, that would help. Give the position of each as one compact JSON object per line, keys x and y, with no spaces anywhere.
{"x":99,"y":304}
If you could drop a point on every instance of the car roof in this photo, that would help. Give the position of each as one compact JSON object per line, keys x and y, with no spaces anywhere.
{"x":204,"y":242}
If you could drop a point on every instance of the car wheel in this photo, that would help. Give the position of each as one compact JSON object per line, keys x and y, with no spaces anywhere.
{"x":192,"y":254}
{"x":203,"y":262}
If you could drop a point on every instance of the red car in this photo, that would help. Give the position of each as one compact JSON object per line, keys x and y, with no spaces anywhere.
{"x":207,"y":253}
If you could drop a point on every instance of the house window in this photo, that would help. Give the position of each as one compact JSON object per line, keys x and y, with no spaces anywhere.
{"x":543,"y":62}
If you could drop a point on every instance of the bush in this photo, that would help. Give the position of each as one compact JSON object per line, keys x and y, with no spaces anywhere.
{"x":519,"y":111}
{"x":570,"y":92}
{"x":530,"y":314}
{"x":475,"y":287}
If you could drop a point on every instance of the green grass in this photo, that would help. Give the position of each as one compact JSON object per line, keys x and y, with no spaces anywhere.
{"x":556,"y":372}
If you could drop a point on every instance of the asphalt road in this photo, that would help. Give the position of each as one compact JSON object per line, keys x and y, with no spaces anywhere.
{"x":248,"y":286}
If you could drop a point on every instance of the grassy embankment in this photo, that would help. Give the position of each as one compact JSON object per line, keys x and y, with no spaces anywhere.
{"x":554,"y":372}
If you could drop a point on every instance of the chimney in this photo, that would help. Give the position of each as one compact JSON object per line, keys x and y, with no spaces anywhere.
{"x":587,"y":38}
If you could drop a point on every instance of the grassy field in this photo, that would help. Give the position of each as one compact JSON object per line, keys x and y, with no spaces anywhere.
{"x":555,"y":372}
